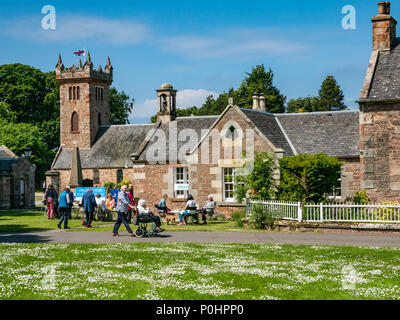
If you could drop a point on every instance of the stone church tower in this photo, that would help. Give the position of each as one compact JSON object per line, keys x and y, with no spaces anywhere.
{"x":380,"y":111}
{"x":84,"y":102}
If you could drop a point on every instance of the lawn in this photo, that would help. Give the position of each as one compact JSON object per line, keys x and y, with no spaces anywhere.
{"x":26,"y":221}
{"x":197,"y":271}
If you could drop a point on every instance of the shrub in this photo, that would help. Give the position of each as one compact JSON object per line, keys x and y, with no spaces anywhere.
{"x":123,"y":183}
{"x":361,"y":197}
{"x":110,"y":185}
{"x":262,"y":219}
{"x":237,"y":217}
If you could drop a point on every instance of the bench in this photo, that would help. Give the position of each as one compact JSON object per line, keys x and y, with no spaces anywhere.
{"x":194,"y":216}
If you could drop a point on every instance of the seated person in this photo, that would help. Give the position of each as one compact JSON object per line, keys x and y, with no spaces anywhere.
{"x":110,"y":204}
{"x":163,"y":204}
{"x":100,"y":208}
{"x":186,"y":212}
{"x":208,"y":208}
{"x":144,"y":210}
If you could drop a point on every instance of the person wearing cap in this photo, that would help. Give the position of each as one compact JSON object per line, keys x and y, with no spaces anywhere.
{"x":71,"y":203}
{"x":64,"y":205}
{"x":124,"y":204}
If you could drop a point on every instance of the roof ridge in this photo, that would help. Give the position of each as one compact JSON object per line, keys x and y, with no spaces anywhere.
{"x":315,"y":113}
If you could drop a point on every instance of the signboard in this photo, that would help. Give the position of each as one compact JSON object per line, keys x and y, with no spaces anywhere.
{"x":115,"y":194}
{"x":182,"y":187}
{"x":81,"y":191}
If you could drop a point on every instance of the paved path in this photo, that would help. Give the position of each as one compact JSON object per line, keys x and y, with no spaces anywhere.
{"x":341,"y":239}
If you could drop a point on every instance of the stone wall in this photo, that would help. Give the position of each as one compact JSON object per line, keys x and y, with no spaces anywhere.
{"x":350,"y":177}
{"x":5,"y":192}
{"x":380,"y":155}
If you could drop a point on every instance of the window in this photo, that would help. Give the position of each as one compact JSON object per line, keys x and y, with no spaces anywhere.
{"x":181,"y":183}
{"x":232,"y":133}
{"x":99,"y":93}
{"x":120,"y":176}
{"x":74,"y":93}
{"x":78,"y":93}
{"x":75,"y":122}
{"x":229,"y":183}
{"x":336,"y":191}
{"x":96,"y":177}
{"x":70,"y":93}
{"x":99,"y":119}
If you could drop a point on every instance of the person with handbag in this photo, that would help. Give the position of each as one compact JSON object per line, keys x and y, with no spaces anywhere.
{"x":124,"y":204}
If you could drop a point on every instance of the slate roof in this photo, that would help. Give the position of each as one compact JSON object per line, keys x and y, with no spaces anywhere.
{"x":5,"y":164}
{"x":112,"y":149}
{"x":267,"y":124}
{"x":334,"y":133}
{"x":386,"y":80}
{"x":200,"y":125}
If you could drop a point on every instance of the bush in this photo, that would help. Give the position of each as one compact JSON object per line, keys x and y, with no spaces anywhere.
{"x":262,"y":219}
{"x":110,"y":185}
{"x":361,"y":197}
{"x":123,"y":183}
{"x":237,"y":217}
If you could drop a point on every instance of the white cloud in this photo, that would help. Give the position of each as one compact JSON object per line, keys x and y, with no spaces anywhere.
{"x":185,"y":99}
{"x":244,"y":43}
{"x":75,"y":28}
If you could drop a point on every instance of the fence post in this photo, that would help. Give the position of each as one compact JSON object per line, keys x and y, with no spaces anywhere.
{"x":321,"y":212}
{"x":299,"y":212}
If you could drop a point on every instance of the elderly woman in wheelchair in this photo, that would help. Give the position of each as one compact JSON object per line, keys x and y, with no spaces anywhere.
{"x":145,"y":216}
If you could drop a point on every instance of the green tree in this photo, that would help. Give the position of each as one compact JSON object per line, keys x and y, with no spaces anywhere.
{"x":261,"y":81}
{"x":121,"y":106}
{"x":18,"y":136}
{"x":300,"y":105}
{"x":331,"y":95}
{"x":308,"y":178}
{"x":260,"y":181}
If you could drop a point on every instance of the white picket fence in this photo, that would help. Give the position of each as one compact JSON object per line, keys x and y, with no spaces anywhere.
{"x":329,"y":212}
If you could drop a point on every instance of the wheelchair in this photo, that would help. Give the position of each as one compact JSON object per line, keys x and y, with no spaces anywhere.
{"x":143,"y":230}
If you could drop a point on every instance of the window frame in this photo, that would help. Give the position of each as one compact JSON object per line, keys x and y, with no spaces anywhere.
{"x":231,"y":183}
{"x":184,"y":179}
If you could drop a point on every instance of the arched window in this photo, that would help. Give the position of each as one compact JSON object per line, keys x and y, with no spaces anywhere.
{"x":232,"y":133}
{"x":75,"y":122}
{"x":120,"y":176}
{"x":99,"y":119}
{"x":102,"y":93}
{"x":78,"y":93}
{"x":96,"y":176}
{"x":70,"y":93}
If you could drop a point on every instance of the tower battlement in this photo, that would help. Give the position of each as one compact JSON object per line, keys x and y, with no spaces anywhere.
{"x":85,"y":72}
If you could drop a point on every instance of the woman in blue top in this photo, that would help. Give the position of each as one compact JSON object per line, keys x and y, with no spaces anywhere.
{"x":124,"y":204}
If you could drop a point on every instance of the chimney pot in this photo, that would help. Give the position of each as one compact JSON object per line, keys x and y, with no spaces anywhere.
{"x":384,"y":7}
{"x":255,"y":102}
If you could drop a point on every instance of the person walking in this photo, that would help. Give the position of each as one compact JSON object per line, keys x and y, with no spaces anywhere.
{"x":130,"y":195}
{"x":44,"y":186}
{"x":50,"y":198}
{"x":123,"y":206}
{"x":64,"y":205}
{"x":71,"y":203}
{"x":89,"y":206}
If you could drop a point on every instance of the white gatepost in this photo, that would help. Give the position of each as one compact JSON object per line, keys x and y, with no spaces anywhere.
{"x":299,"y":212}
{"x":321,"y":212}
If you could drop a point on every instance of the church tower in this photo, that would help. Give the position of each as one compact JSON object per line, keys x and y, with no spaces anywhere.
{"x":166,"y":97}
{"x":84,"y":102}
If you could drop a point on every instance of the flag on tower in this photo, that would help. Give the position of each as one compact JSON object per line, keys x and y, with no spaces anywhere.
{"x":80,"y":53}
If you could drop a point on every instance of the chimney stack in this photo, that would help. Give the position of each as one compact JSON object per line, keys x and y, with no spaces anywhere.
{"x":255,"y":102}
{"x":262,"y":105}
{"x":383,"y":28}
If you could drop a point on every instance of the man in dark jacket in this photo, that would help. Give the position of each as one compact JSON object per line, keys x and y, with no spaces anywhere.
{"x":71,"y":203}
{"x":89,"y":205}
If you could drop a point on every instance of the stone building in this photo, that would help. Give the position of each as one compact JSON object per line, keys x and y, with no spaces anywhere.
{"x":200,"y":155}
{"x":17,"y":181}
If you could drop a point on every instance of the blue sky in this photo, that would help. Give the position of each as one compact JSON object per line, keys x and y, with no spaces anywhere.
{"x":201,"y":47}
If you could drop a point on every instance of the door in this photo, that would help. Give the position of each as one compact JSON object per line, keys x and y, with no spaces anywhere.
{"x":22,"y":193}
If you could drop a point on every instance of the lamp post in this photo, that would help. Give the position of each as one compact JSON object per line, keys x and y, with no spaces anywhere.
{"x":27,"y":152}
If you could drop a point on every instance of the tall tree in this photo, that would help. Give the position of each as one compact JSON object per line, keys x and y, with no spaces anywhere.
{"x":121,"y":106}
{"x":261,"y":81}
{"x":331,"y":95}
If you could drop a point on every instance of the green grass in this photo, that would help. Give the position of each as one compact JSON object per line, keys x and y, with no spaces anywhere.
{"x":26,"y":221}
{"x":197,"y":271}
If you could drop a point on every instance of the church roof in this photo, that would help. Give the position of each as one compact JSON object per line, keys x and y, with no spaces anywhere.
{"x":333,"y":133}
